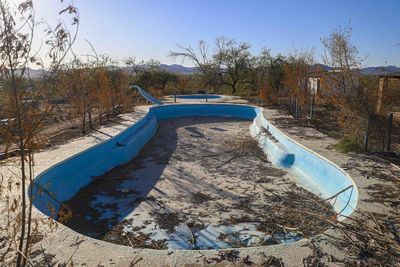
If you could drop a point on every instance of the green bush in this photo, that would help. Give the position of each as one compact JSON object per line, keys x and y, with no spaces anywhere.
{"x":348,"y":143}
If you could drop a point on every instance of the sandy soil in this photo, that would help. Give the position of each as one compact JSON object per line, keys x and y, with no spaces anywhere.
{"x":58,"y":131}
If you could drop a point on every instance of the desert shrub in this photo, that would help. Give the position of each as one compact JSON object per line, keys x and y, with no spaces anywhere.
{"x":348,"y":143}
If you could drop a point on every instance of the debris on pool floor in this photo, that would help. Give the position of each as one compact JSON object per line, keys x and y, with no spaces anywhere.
{"x":200,"y":183}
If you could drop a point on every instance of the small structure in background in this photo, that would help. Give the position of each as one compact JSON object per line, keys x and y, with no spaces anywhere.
{"x":382,"y":99}
{"x":314,"y":86}
{"x":383,"y":88}
{"x":385,"y":107}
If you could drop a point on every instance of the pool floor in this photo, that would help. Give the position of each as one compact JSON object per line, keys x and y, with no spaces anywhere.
{"x":200,"y":183}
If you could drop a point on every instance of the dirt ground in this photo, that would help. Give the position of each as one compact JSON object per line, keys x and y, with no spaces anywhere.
{"x":200,"y":183}
{"x":58,"y":130}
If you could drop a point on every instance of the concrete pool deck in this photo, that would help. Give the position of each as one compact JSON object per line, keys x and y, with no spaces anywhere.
{"x":65,"y":245}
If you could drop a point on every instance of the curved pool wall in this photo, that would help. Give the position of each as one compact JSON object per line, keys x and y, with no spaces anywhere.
{"x":315,"y":173}
{"x":63,"y":180}
{"x":198,"y":96}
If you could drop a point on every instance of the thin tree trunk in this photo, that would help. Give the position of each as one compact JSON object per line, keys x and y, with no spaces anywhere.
{"x":84,"y":120}
{"x":28,"y":234}
{"x":366,"y":136}
{"x":22,"y":158}
{"x":89,"y":110}
{"x":291,"y":106}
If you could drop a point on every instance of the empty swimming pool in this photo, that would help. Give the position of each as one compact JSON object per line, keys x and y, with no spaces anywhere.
{"x":189,"y":176}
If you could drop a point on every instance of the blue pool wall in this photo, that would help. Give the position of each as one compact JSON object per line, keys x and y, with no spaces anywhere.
{"x":316,"y":173}
{"x":63,"y":180}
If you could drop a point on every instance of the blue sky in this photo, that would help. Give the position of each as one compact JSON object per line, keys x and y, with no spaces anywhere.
{"x":151,"y":28}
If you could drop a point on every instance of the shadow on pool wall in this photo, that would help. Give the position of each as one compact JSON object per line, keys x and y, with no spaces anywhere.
{"x":320,"y":176}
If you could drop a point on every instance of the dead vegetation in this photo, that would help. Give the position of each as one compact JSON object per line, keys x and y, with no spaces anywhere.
{"x":238,"y":148}
{"x":167,"y":220}
{"x":367,"y":238}
{"x":372,"y":238}
{"x":24,"y":113}
{"x":234,"y":257}
{"x":199,"y":198}
{"x":230,"y":256}
{"x":294,"y":213}
{"x":230,"y":192}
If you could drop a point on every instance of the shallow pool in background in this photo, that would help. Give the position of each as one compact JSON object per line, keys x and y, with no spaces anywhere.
{"x":198,"y":96}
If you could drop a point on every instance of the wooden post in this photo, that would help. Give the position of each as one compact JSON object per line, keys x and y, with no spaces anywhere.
{"x":389,"y":131}
{"x":312,"y":108}
{"x":366,"y":136}
{"x":383,"y":84}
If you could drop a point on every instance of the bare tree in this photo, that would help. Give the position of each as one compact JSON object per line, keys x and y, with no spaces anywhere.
{"x":355,"y":99}
{"x":208,"y":66}
{"x":132,"y":66}
{"x":234,"y":61}
{"x":17,"y":25}
{"x":297,"y":68}
{"x":73,"y":82}
{"x":342,"y":56}
{"x":265,"y":75}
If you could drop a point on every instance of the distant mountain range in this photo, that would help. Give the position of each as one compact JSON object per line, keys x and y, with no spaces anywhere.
{"x":380,"y":70}
{"x":31,"y":72}
{"x":176,"y":68}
